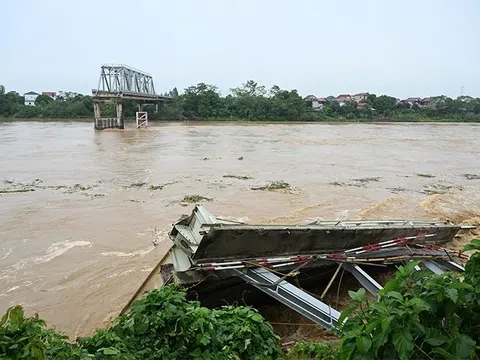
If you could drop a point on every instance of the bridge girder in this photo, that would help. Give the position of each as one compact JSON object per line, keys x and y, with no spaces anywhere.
{"x":125,"y":79}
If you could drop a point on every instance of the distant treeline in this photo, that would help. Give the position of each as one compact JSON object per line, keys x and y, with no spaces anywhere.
{"x":248,"y":102}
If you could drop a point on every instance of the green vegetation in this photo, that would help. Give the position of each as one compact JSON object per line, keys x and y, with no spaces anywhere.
{"x":309,"y":350}
{"x":162,"y":325}
{"x":67,"y":105}
{"x":247,"y":102}
{"x":418,"y":315}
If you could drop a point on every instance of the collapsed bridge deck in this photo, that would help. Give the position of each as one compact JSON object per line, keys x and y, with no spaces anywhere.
{"x":211,"y":254}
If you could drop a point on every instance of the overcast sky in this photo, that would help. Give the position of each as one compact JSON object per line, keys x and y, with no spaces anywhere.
{"x":401,"y":48}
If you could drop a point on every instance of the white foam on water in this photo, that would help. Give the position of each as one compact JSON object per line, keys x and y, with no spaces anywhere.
{"x":127,"y":271}
{"x":128,"y":254}
{"x":19,"y":265}
{"x":13,"y":288}
{"x":342,"y":215}
{"x":120,"y":274}
{"x":6,"y":254}
{"x":60,"y":248}
{"x":112,"y":276}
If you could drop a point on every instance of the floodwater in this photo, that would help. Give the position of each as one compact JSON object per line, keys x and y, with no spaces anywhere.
{"x":76,"y":253}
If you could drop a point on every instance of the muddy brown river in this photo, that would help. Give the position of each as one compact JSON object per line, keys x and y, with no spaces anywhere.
{"x":81,"y":226}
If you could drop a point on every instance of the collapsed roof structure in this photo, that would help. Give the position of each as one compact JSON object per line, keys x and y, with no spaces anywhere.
{"x":211,"y":255}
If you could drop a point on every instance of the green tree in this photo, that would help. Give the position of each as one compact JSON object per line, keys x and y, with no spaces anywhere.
{"x":43,"y":100}
{"x":10,"y":103}
{"x":174,"y":92}
{"x":250,"y":88}
{"x":2,"y":90}
{"x":370,"y":99}
{"x":385,"y":104}
{"x":349,"y":109}
{"x":28,"y":112}
{"x":201,"y":101}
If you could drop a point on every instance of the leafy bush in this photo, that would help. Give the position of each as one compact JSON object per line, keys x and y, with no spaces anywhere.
{"x":312,"y":350}
{"x":27,"y":338}
{"x":418,"y":315}
{"x":162,"y":325}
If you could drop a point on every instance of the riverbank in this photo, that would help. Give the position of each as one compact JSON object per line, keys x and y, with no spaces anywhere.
{"x":239,"y":121}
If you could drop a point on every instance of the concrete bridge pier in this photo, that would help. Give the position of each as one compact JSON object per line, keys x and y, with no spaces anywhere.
{"x":119,"y":124}
{"x":102,"y":123}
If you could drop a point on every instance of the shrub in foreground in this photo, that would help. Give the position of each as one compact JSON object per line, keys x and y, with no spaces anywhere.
{"x":418,"y":315}
{"x":162,"y":325}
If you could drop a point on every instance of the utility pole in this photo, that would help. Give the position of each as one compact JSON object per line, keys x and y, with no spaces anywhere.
{"x":461,"y":91}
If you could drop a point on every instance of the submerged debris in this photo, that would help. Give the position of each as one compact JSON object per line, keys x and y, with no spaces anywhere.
{"x":138,"y":184}
{"x":360,"y":182}
{"x":439,"y":189}
{"x":192,"y":199}
{"x":19,"y":187}
{"x":56,"y":187}
{"x":81,"y":187}
{"x":94,"y":196}
{"x":366,"y":180}
{"x":11,"y":191}
{"x":239,"y":177}
{"x":160,"y":187}
{"x":426,"y":175}
{"x":397,"y":190}
{"x":77,"y":188}
{"x":471,"y":176}
{"x":274,"y":185}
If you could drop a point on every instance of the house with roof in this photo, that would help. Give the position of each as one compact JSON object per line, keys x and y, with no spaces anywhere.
{"x":426,"y":102}
{"x":310,"y":98}
{"x":30,"y":98}
{"x":52,"y":94}
{"x":343,"y":98}
{"x":331,"y":98}
{"x":361,"y":105}
{"x":358,"y":98}
{"x":412,"y":101}
{"x":317,"y":103}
